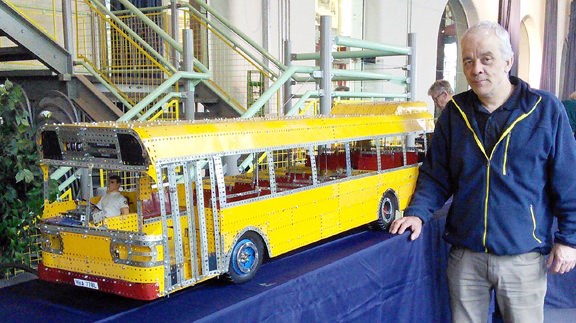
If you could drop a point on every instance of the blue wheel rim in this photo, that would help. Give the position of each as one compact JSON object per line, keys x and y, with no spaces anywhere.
{"x":244,"y":257}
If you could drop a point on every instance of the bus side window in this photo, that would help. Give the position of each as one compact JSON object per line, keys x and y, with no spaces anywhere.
{"x":293,"y":169}
{"x":363,"y":155}
{"x":251,"y":184}
{"x":330,"y":161}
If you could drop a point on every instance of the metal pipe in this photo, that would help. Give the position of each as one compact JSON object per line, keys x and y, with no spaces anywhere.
{"x":189,"y":105}
{"x":68,"y":27}
{"x":85,"y":183}
{"x":294,"y":110}
{"x":174,"y":22}
{"x":346,"y":54}
{"x":356,"y":75}
{"x":161,"y":89}
{"x":412,"y":67}
{"x":359,"y":43}
{"x":325,"y":64}
{"x":158,"y":104}
{"x":287,"y":75}
{"x":287,"y":90}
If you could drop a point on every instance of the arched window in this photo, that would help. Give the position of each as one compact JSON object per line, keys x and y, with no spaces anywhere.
{"x":452,"y":26}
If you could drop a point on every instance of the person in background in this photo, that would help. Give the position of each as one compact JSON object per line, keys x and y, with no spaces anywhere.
{"x":441,"y":93}
{"x":506,"y":154}
{"x":570,"y":106}
{"x":113,"y":203}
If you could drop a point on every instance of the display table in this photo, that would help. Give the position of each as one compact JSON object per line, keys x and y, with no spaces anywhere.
{"x":364,"y":276}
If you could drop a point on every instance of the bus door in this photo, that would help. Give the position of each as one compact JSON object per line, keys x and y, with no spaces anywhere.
{"x":190,"y":240}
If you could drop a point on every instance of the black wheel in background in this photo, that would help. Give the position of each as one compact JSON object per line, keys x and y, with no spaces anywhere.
{"x":387,"y":210}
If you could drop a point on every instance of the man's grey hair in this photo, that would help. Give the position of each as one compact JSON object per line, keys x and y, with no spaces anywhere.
{"x":499,"y":31}
{"x":440,"y":86}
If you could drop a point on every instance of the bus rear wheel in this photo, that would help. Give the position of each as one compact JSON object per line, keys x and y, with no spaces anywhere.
{"x":387,"y":210}
{"x":246,"y":258}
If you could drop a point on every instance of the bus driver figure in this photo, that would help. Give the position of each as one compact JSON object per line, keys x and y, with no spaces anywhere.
{"x":113,"y":203}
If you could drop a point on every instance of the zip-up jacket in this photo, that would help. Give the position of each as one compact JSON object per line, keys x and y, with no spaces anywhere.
{"x":504,"y":201}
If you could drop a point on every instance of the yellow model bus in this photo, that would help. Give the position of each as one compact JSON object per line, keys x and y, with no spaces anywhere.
{"x":214,"y":198}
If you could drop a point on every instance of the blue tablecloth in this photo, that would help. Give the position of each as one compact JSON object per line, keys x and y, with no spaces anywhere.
{"x":363,"y":276}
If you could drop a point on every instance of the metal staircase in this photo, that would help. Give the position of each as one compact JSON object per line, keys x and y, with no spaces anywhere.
{"x":103,"y":87}
{"x":57,"y":93}
{"x":31,"y":42}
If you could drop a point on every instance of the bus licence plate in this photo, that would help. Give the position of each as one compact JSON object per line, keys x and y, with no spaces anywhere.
{"x":85,"y":283}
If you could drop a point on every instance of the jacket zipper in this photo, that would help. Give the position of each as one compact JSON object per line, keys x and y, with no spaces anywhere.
{"x":534,"y":224}
{"x":506,"y":154}
{"x":489,"y":158}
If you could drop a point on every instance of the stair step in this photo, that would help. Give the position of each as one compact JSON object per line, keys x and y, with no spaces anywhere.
{"x":16,"y":53}
{"x":94,"y":103}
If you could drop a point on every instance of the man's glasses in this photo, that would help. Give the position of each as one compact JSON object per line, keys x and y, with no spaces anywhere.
{"x":435,"y":98}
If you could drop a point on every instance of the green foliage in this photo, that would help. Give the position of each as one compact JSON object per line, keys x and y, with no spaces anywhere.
{"x":21,"y":196}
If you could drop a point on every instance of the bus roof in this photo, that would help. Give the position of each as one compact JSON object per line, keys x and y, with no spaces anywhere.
{"x":352,"y":107}
{"x":162,"y":141}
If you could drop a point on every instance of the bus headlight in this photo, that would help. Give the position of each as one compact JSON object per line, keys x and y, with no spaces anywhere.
{"x":134,"y":253}
{"x":52,"y":242}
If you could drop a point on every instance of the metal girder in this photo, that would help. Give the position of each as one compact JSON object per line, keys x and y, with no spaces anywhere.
{"x":42,"y":47}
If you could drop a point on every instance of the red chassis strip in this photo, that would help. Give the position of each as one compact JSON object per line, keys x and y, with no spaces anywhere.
{"x":124,"y":288}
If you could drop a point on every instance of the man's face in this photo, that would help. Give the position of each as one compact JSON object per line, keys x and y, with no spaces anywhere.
{"x":485,"y":69}
{"x":113,"y":185}
{"x":441,"y":99}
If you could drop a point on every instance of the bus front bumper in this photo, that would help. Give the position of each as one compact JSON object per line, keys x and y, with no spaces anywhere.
{"x":141,"y":291}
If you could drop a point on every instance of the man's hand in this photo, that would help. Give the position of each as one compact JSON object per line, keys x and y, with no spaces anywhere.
{"x":562,"y":259}
{"x":413,"y":223}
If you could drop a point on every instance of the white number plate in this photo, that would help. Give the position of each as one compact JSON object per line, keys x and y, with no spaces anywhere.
{"x":85,"y":283}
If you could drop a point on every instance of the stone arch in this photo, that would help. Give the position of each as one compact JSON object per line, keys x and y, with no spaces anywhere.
{"x":529,"y":51}
{"x":458,"y":13}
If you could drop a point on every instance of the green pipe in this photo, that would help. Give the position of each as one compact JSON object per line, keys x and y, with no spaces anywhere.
{"x":345,"y":94}
{"x":286,"y":76}
{"x":60,"y":172}
{"x":158,"y":104}
{"x":351,"y":42}
{"x":161,"y":89}
{"x":67,"y":182}
{"x":345,"y":54}
{"x":355,"y":75}
{"x":296,"y":108}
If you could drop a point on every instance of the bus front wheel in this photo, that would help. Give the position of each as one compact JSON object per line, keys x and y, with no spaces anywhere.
{"x":246,"y":258}
{"x":387,"y":210}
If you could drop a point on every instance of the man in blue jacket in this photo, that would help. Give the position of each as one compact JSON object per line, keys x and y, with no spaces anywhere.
{"x":506,"y":154}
